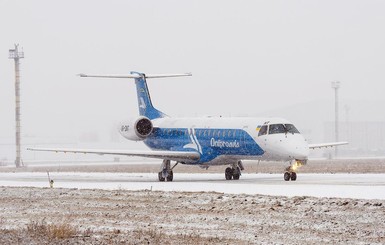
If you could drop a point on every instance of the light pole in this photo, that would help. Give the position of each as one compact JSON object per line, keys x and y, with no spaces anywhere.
{"x":16,"y":56}
{"x":336,"y":86}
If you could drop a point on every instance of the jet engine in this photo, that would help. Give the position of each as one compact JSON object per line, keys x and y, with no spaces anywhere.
{"x":137,"y":129}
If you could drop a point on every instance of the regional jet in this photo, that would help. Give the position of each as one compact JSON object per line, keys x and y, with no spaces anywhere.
{"x":206,"y":141}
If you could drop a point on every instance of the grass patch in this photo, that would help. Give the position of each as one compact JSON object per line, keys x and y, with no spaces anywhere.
{"x":63,"y":230}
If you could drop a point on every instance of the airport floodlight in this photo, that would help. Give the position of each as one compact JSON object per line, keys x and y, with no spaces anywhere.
{"x":16,"y":56}
{"x":336,"y":85}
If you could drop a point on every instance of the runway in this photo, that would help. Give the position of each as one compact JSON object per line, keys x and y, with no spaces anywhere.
{"x":359,"y":186}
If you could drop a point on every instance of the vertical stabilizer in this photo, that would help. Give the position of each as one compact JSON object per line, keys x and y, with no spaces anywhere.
{"x":144,"y":100}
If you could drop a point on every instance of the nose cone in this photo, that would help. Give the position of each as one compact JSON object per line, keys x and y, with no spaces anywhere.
{"x":299,"y":149}
{"x":301,"y":152}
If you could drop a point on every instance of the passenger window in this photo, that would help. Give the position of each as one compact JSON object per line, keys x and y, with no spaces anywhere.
{"x":205,"y":133}
{"x":263,"y":130}
{"x":229,"y":133}
{"x":209,"y":133}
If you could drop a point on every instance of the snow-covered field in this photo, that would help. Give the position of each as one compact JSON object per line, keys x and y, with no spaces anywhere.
{"x":359,"y":186}
{"x":95,"y":216}
{"x":125,"y":204}
{"x":332,"y":202}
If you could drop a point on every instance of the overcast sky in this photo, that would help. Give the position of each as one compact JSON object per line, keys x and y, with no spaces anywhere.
{"x":246,"y":57}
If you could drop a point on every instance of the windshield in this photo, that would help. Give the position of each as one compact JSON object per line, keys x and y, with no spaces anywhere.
{"x":291,"y":129}
{"x":277,"y":129}
{"x":282,"y":129}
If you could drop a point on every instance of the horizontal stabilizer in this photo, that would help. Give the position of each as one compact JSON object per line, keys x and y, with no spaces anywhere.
{"x":180,"y":156}
{"x":111,"y":76}
{"x":138,"y":75}
{"x":325,"y":145}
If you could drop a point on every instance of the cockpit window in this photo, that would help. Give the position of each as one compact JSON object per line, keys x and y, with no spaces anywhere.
{"x":277,"y":129}
{"x":282,"y":129}
{"x":290,"y":128}
{"x":263,"y":130}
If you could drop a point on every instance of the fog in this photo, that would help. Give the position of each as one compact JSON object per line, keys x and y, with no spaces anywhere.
{"x":248,"y":58}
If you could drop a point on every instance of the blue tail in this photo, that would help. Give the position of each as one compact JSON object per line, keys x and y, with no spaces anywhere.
{"x":144,"y":100}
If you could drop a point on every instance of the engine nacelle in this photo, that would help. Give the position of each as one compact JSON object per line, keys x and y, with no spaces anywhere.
{"x":137,"y":129}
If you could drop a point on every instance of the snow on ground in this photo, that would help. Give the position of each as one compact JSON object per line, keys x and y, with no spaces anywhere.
{"x":28,"y":216}
{"x":358,"y":186}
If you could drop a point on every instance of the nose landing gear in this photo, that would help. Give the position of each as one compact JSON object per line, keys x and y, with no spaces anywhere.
{"x":290,"y":173}
{"x":290,"y":176}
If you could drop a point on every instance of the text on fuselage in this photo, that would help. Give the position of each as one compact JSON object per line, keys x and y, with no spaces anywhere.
{"x":222,"y":143}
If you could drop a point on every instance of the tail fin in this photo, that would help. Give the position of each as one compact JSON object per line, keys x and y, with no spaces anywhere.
{"x":144,"y":100}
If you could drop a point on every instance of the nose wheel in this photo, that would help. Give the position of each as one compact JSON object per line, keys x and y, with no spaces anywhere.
{"x":290,"y":176}
{"x":290,"y":173}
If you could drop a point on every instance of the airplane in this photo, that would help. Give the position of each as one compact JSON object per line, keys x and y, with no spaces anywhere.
{"x":206,"y":141}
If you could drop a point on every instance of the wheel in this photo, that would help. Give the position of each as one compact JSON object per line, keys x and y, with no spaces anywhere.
{"x":293,"y":176}
{"x":236,"y":176}
{"x":160,"y":176}
{"x":286,"y":176}
{"x":170,"y":176}
{"x":228,"y":173}
{"x":236,"y":173}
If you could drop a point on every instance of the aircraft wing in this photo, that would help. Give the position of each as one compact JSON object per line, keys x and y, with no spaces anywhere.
{"x":179,"y":156}
{"x":325,"y":145}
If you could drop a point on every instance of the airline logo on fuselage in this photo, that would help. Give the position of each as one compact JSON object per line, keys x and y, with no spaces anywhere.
{"x":223,"y":143}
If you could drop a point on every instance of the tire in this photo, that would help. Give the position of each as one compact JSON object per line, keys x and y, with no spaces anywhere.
{"x":170,"y":176}
{"x":286,"y":176}
{"x":160,"y":177}
{"x":236,"y":173}
{"x":293,"y":176}
{"x":236,"y":176}
{"x":228,"y":173}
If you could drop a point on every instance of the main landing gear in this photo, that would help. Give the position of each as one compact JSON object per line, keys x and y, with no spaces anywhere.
{"x":166,"y":172}
{"x":234,"y":172}
{"x":290,"y":173}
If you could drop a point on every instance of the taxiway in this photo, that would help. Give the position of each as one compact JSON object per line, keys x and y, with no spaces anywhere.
{"x":359,"y":186}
